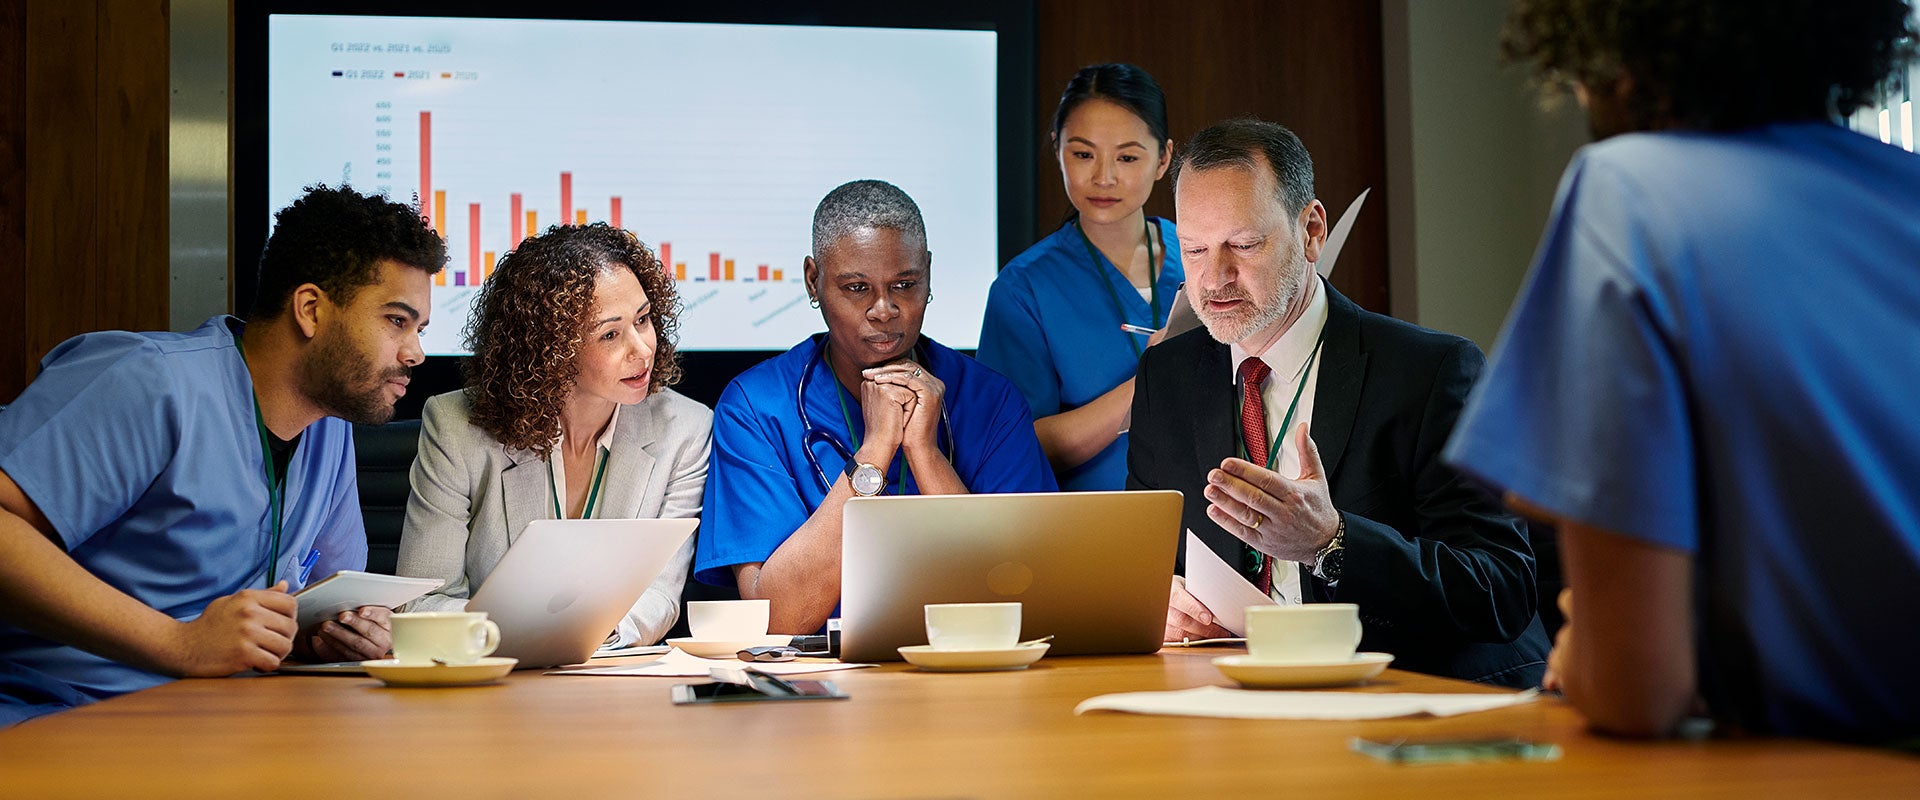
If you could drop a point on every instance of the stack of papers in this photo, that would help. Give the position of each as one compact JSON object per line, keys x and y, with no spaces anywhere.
{"x":1216,"y":701}
{"x":677,"y":664}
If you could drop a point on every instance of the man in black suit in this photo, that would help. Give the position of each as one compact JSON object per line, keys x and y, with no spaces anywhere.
{"x":1357,"y":507}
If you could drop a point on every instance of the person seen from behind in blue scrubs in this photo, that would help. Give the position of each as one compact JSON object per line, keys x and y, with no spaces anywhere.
{"x":161,"y":493}
{"x":1109,"y":266}
{"x":870,"y":407}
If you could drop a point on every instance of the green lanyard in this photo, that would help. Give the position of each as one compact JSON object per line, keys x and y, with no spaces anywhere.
{"x":1153,"y":281}
{"x":593,"y":491}
{"x":1273,"y":450}
{"x":276,"y":490}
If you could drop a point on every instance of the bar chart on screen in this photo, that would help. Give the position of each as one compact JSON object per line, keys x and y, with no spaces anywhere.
{"x":711,"y":143}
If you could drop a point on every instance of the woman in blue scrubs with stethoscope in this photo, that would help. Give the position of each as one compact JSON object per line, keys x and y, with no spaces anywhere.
{"x":869,"y":407}
{"x":1103,"y":282}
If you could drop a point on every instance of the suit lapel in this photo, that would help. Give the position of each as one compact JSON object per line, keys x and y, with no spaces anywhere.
{"x":1343,"y":369}
{"x":629,"y":464}
{"x":1217,"y":417}
{"x":528,"y":494}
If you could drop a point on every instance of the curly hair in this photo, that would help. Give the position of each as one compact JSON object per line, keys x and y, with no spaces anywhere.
{"x":531,"y":317}
{"x":335,"y":239}
{"x":1715,"y":64}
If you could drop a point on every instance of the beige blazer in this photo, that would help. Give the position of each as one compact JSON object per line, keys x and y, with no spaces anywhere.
{"x":472,"y":496}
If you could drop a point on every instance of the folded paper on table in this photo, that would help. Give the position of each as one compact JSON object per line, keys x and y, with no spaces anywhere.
{"x":677,"y":664}
{"x":349,"y":589}
{"x":1216,"y":701}
{"x":1221,"y":588}
{"x":607,"y":651}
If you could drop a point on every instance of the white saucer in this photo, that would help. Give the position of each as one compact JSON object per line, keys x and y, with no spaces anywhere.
{"x":1268,"y":675}
{"x":485,"y":670}
{"x":726,"y":648}
{"x":926,"y":657}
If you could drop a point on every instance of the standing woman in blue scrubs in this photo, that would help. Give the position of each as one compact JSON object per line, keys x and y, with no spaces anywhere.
{"x":869,"y":407}
{"x":1109,"y":265}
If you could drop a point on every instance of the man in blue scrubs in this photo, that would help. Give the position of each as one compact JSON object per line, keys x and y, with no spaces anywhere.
{"x":161,"y":493}
{"x":869,"y":407}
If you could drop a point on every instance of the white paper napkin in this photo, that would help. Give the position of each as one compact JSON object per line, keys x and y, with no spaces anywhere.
{"x":1217,"y":701}
{"x":677,"y":664}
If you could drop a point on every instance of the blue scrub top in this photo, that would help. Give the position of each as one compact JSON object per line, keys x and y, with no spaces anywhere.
{"x":143,"y":452}
{"x":1687,"y":367}
{"x":761,"y":487}
{"x":1079,"y":352}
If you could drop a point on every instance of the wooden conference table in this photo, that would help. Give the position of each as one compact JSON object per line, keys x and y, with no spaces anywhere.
{"x":904,"y":733}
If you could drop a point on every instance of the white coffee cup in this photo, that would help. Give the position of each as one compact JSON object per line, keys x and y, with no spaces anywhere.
{"x":455,"y":637}
{"x":973,"y":626}
{"x":1313,"y":633}
{"x":727,"y":620}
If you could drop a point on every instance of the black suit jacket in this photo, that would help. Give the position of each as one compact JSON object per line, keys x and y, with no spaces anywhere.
{"x":1443,"y":575}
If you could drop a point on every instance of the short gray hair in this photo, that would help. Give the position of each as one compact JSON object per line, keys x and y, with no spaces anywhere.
{"x":866,"y":204}
{"x":1238,"y":142}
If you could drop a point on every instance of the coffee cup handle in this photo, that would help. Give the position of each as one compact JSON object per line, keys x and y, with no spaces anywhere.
{"x":492,"y":637}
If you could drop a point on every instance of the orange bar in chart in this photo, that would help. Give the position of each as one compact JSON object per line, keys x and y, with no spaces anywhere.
{"x":776,"y":274}
{"x":729,"y":272}
{"x":613,"y":214}
{"x":426,"y":173}
{"x":474,"y":275}
{"x":566,"y":197}
{"x":486,"y":266}
{"x":533,"y":223}
{"x":440,"y":212}
{"x":513,"y":222}
{"x":713,"y":266}
{"x":580,"y":217}
{"x":680,"y":271}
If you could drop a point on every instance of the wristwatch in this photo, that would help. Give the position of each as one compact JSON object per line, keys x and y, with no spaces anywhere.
{"x":1329,"y":562}
{"x":867,"y":479}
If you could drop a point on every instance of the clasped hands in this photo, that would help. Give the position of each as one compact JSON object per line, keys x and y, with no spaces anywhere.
{"x":901,"y":404}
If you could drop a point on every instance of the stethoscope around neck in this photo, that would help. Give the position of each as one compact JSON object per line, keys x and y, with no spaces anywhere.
{"x":810,"y":435}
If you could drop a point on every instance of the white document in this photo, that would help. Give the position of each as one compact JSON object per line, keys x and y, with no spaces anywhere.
{"x":1337,"y":239}
{"x":677,"y":664}
{"x":349,"y":589}
{"x":1218,"y":701}
{"x":1220,"y":588}
{"x":631,"y":650}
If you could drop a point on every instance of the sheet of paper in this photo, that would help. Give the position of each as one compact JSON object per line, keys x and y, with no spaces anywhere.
{"x":1180,"y":317}
{"x":1220,"y":588}
{"x":352,"y":589}
{"x":677,"y":664}
{"x":1218,"y":701}
{"x":1337,"y":238}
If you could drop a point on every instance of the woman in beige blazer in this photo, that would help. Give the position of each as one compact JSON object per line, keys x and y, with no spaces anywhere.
{"x":566,"y":414}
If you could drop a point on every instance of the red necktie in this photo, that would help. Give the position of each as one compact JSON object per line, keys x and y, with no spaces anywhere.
{"x":1253,"y":432}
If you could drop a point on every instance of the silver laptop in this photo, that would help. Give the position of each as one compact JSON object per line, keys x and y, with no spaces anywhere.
{"x":1091,"y":568}
{"x":565,"y":584}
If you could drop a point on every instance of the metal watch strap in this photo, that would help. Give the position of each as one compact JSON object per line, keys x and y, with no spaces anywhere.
{"x":1336,"y":547}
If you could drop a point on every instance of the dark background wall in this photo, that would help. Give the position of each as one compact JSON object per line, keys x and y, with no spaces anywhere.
{"x":84,"y":127}
{"x":83,"y":174}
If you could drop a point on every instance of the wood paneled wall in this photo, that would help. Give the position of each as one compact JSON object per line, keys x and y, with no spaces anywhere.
{"x":83,"y":174}
{"x":1312,"y":66}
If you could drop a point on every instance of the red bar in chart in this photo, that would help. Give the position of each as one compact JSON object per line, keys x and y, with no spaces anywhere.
{"x":666,"y":259}
{"x":763,"y":272}
{"x":566,"y":197}
{"x":426,"y":165}
{"x":473,"y":243}
{"x":713,"y":266}
{"x":513,"y":222}
{"x":613,"y":212}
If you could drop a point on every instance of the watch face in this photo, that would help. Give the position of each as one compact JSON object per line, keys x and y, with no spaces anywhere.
{"x":868,"y":480}
{"x":1331,"y":563}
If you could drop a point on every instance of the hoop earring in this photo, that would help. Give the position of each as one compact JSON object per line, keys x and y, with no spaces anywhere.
{"x":813,"y":301}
